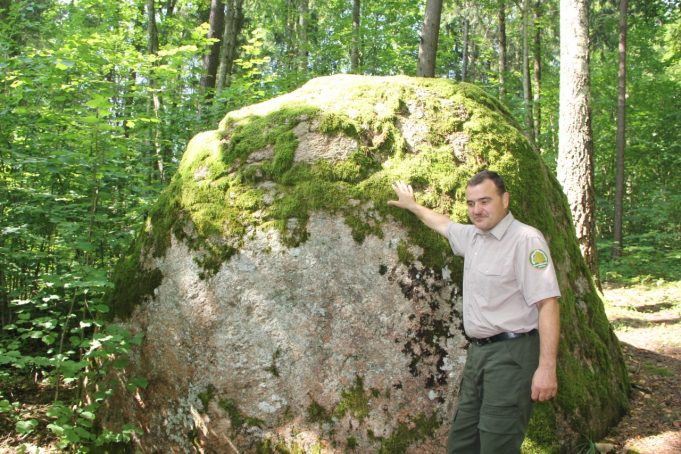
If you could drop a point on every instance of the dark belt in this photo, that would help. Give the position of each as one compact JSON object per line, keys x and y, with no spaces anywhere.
{"x":501,"y":337}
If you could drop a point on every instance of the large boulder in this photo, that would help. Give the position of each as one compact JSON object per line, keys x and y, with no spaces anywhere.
{"x":284,"y":305}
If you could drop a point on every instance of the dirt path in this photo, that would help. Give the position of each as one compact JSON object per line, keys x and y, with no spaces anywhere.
{"x":647,"y":320}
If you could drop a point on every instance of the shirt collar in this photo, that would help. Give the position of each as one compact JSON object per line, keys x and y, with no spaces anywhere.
{"x":500,"y":229}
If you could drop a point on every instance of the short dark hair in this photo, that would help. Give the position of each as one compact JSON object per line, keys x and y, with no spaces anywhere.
{"x":480,"y":177}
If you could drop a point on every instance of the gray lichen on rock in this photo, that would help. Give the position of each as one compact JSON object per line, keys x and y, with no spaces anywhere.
{"x":285,"y":305}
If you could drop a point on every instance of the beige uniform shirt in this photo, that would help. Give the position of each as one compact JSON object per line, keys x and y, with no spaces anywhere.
{"x":506,"y":271}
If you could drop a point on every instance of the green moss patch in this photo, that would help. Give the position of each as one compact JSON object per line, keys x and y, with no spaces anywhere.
{"x":406,"y":434}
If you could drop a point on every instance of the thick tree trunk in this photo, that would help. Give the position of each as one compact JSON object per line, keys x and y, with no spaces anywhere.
{"x":575,"y":143}
{"x":430,"y":33}
{"x":234,"y":19}
{"x":621,"y":130}
{"x":354,"y":51}
{"x":152,"y":30}
{"x":502,"y":50}
{"x":536,"y":104}
{"x":212,"y":58}
{"x":527,"y":85}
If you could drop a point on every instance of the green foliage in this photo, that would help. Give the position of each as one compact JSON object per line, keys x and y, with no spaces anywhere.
{"x":646,"y":258}
{"x":652,"y":221}
{"x":70,"y":349}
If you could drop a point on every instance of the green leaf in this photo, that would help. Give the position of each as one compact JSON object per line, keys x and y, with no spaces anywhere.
{"x":56,"y":429}
{"x":49,"y":338}
{"x":137,"y":339}
{"x":71,"y":435}
{"x":26,"y":426}
{"x":63,"y":65}
{"x":101,"y":308}
{"x":60,"y":411}
{"x":10,"y":357}
{"x":120,"y":362}
{"x":137,"y":382}
{"x":5,"y":406}
{"x":99,"y":102}
{"x":88,"y":415}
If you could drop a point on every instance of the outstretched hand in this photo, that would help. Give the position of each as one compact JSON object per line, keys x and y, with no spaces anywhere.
{"x":406,"y":200}
{"x":405,"y":195}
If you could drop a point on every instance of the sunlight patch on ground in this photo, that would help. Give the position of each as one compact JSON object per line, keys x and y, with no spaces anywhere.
{"x":664,"y":443}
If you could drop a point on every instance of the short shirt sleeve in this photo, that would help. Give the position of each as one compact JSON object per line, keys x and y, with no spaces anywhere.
{"x":459,"y":236}
{"x":534,"y":269}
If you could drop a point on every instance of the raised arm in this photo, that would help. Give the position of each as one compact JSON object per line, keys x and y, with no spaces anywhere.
{"x":405,"y":200}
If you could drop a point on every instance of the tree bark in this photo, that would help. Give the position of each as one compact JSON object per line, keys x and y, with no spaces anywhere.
{"x":575,"y":143}
{"x":430,"y":33}
{"x":156,"y":101}
{"x":502,"y":50}
{"x":621,"y":130}
{"x":212,"y":58}
{"x":464,"y":57}
{"x":527,"y":85}
{"x":170,"y":7}
{"x":152,"y":30}
{"x":354,"y":51}
{"x":536,"y":104}
{"x":303,"y":40}
{"x":234,"y":19}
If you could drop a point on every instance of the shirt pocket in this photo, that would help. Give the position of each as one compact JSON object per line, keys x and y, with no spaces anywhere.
{"x":491,"y":279}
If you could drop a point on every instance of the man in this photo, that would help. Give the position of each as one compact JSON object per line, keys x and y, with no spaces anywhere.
{"x":510,"y":294}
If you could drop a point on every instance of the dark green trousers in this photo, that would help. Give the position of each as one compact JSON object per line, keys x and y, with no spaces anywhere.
{"x":495,"y":398}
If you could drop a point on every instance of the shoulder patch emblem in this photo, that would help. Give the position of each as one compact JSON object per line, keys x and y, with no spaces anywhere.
{"x":539,"y":259}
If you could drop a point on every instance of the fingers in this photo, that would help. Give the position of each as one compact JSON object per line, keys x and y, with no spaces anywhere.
{"x":401,"y":186}
{"x":541,"y":395}
{"x":405,"y":195}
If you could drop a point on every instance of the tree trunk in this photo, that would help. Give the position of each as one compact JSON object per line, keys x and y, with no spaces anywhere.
{"x":430,"y":33}
{"x":170,"y":7}
{"x":354,"y":51}
{"x":152,"y":30}
{"x":212,"y":58}
{"x":303,"y":41}
{"x":234,"y":20}
{"x":464,"y":57}
{"x":536,"y":104}
{"x":156,"y":102}
{"x":502,"y":50}
{"x":621,"y":130}
{"x":527,"y":86}
{"x":575,"y":143}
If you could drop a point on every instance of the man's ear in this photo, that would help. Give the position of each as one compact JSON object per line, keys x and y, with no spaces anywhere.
{"x":505,"y":198}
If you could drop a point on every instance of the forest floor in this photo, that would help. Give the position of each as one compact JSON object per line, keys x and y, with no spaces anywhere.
{"x":646,"y":319}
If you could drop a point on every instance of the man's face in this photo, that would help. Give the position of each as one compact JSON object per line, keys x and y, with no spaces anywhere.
{"x":485,"y":206}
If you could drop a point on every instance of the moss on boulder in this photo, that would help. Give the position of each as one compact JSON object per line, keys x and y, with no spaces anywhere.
{"x":286,"y":178}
